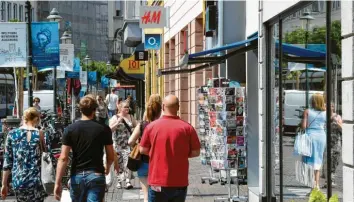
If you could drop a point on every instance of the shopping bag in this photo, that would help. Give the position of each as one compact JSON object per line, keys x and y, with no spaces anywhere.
{"x":303,"y":144}
{"x":134,"y":159}
{"x":110,"y":176}
{"x":65,"y":196}
{"x":47,"y":173}
{"x":304,"y":173}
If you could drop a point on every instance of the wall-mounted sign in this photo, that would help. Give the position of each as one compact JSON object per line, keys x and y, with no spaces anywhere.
{"x":152,"y":17}
{"x":152,"y":41}
{"x":133,"y":68}
{"x":141,"y":55}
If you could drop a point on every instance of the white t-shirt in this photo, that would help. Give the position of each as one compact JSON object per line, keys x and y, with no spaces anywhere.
{"x":111,"y":100}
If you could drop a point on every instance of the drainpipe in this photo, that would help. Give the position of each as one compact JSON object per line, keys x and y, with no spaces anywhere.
{"x":221,"y":68}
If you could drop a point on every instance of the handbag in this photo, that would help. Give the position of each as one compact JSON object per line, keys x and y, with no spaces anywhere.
{"x":47,"y":168}
{"x":134,"y":158}
{"x":303,"y":142}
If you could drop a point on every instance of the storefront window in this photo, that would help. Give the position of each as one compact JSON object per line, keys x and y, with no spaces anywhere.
{"x":298,"y":62}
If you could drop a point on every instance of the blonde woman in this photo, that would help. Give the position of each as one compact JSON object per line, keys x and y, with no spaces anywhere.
{"x":153,"y":112}
{"x":23,"y":159}
{"x":122,"y":125}
{"x":314,"y":122}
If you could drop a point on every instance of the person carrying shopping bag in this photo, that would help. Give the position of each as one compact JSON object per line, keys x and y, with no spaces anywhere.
{"x":122,"y":125}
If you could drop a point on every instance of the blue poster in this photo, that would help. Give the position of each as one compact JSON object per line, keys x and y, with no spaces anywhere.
{"x":75,"y":74}
{"x":92,"y":77}
{"x":152,"y":41}
{"x":104,"y":82}
{"x":45,"y":44}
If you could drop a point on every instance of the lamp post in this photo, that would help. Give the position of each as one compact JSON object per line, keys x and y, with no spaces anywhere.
{"x":109,"y":66}
{"x":87,"y":59}
{"x":66,"y":39}
{"x":307,"y":17}
{"x":29,"y":56}
{"x":55,"y":17}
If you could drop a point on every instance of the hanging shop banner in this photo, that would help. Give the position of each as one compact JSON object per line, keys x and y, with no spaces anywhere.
{"x":112,"y":83}
{"x":83,"y":77}
{"x":152,"y":17}
{"x":104,"y":82}
{"x":76,"y":73}
{"x":152,"y":41}
{"x":141,"y":55}
{"x":92,"y":77}
{"x":45,"y":44}
{"x":13,"y":50}
{"x":133,"y":68}
{"x":66,"y":57}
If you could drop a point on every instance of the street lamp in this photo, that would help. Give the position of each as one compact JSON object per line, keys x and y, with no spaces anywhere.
{"x":66,"y":38}
{"x":109,"y":66}
{"x":307,"y":18}
{"x":87,"y":59}
{"x":55,"y":17}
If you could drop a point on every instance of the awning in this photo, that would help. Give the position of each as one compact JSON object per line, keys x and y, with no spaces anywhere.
{"x":196,"y":58}
{"x":292,"y":54}
{"x":120,"y":75}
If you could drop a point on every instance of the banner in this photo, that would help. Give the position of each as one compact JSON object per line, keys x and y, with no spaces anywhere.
{"x":45,"y":44}
{"x":83,"y":49}
{"x":13,"y":50}
{"x":104,"y":82}
{"x":92,"y":77}
{"x":83,"y":78}
{"x":76,"y":73}
{"x":66,"y":57}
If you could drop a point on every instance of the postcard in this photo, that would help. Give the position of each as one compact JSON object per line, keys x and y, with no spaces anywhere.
{"x":231,"y":123}
{"x":239,"y":131}
{"x":230,"y":115}
{"x":231,"y":132}
{"x":219,"y":107}
{"x":239,"y":120}
{"x":240,"y":92}
{"x":241,"y":162}
{"x":231,"y":139}
{"x":239,"y":111}
{"x":229,"y":99}
{"x":240,"y":140}
{"x":230,"y":107}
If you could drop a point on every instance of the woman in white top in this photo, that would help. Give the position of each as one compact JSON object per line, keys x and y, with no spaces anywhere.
{"x":112,"y":102}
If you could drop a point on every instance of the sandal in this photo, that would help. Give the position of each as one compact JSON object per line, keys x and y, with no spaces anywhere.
{"x":128,"y":185}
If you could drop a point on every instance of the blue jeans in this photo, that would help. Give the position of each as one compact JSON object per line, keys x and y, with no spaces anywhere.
{"x":87,"y":187}
{"x":111,"y":113}
{"x":168,"y":194}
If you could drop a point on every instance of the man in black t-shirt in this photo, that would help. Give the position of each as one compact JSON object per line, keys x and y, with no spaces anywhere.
{"x":87,"y":139}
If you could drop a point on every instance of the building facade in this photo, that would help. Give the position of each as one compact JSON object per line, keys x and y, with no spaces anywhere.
{"x":89,"y":27}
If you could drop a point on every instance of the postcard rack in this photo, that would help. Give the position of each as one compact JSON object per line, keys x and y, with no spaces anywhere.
{"x":223,"y":137}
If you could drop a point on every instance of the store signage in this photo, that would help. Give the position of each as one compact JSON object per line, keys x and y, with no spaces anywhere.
{"x":13,"y":50}
{"x":152,"y":17}
{"x":152,"y":41}
{"x":132,"y":67}
{"x":141,"y":55}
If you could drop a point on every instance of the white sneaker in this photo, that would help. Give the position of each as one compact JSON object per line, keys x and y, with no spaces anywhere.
{"x":119,"y":185}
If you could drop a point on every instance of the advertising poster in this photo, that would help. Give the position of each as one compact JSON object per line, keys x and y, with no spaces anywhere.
{"x":104,"y":82}
{"x":92,"y":77}
{"x":75,"y":74}
{"x":13,"y":51}
{"x":83,"y":78}
{"x":45,"y":44}
{"x":66,"y":57}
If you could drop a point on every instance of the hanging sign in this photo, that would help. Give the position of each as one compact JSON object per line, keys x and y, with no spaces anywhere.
{"x":13,"y":50}
{"x":66,"y":57}
{"x":152,"y":41}
{"x":104,"y":82}
{"x":83,"y":77}
{"x":76,"y":73}
{"x":152,"y":17}
{"x":45,"y":44}
{"x":92,"y":77}
{"x":141,"y":56}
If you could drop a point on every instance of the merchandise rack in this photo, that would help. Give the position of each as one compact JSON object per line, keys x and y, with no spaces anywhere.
{"x":222,"y":132}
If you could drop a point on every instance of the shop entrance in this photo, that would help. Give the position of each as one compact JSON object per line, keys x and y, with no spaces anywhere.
{"x":303,"y":95}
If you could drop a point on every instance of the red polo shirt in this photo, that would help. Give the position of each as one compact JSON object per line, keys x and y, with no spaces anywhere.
{"x":170,"y":141}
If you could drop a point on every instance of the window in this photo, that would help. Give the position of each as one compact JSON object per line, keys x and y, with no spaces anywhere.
{"x":3,"y":15}
{"x":20,"y":12}
{"x":338,"y":4}
{"x":8,"y":11}
{"x":15,"y":12}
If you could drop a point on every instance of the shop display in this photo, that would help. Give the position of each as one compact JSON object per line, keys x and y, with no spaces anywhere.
{"x":222,"y":128}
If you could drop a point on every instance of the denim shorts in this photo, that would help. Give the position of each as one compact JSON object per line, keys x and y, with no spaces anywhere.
{"x":143,"y":170}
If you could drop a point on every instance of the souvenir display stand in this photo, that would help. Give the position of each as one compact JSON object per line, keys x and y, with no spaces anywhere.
{"x":223,"y":137}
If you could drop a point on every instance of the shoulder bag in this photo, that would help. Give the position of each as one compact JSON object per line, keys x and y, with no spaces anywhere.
{"x":134,"y":158}
{"x":303,"y":142}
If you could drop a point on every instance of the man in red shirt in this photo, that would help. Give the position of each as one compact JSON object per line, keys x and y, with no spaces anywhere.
{"x":169,"y":141}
